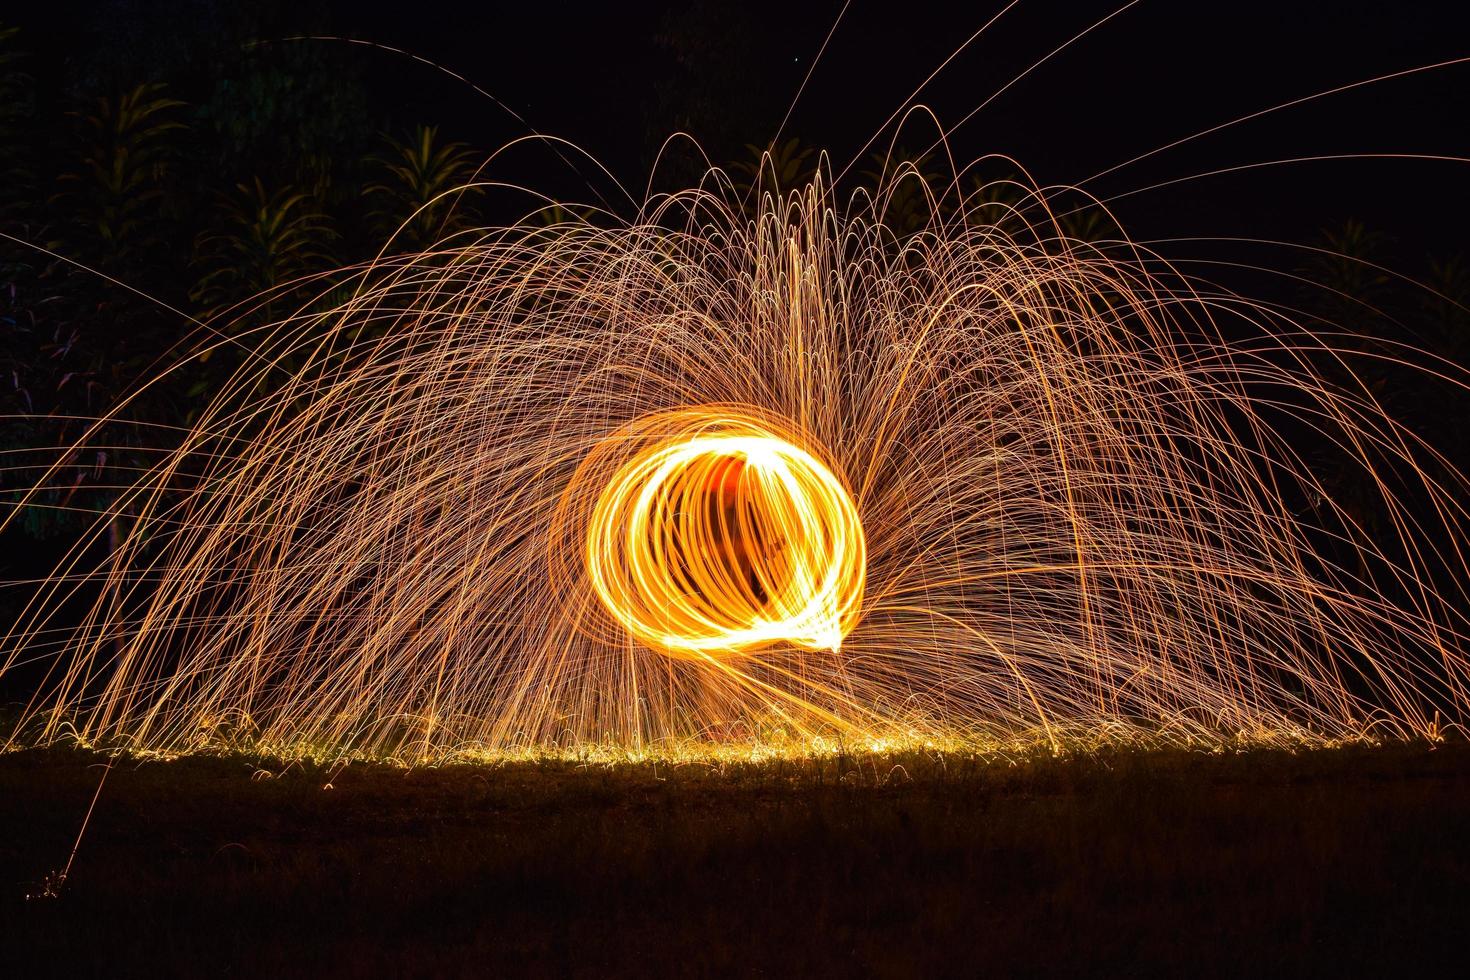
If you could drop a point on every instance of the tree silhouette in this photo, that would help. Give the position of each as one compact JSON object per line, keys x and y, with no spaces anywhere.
{"x":420,"y":189}
{"x":264,"y":245}
{"x":114,"y":192}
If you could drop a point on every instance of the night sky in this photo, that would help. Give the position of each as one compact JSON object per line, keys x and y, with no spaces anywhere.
{"x":1160,"y":70}
{"x":600,"y":76}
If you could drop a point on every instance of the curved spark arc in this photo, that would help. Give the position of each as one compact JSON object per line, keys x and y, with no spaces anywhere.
{"x":1076,"y":508}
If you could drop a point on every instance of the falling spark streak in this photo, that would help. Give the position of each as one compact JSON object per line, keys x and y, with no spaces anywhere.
{"x":774,"y":479}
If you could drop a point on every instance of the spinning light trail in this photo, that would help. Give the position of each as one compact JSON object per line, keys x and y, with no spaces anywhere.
{"x":769,"y":477}
{"x":724,"y":539}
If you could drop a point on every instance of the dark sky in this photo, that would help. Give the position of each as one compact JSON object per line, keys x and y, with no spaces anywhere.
{"x":1160,"y":70}
{"x":596,"y":73}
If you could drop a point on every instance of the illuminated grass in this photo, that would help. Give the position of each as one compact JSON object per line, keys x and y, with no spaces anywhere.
{"x":754,"y":753}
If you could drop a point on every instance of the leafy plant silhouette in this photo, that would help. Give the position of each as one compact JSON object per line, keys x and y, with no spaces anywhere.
{"x":266,"y":244}
{"x":113,"y":195}
{"x":419,"y":187}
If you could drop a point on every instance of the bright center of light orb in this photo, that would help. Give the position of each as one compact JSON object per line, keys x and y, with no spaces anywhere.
{"x":724,"y":538}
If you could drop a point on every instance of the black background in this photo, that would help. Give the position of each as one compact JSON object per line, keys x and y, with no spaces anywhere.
{"x":599,"y":75}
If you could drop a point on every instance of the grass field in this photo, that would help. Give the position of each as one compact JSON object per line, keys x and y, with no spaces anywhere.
{"x":1352,"y":861}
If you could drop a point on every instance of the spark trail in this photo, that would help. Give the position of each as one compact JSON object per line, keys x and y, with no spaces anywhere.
{"x":777,"y":476}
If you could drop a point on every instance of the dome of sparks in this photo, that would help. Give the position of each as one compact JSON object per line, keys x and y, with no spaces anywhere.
{"x":569,"y":486}
{"x":723,"y":537}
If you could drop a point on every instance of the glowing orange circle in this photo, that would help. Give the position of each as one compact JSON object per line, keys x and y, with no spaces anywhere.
{"x":724,"y":537}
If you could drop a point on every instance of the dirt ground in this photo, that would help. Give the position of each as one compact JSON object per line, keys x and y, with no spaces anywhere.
{"x":1352,"y":861}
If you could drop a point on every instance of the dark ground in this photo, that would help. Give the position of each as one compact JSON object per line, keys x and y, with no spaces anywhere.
{"x":1353,"y":862}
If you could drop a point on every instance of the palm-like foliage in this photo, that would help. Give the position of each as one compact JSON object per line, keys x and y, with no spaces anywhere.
{"x":16,"y":104}
{"x":1447,"y":307}
{"x":1348,"y":282}
{"x":1001,"y":202}
{"x":71,"y":344}
{"x":115,"y":190}
{"x":415,"y":193}
{"x":786,"y":165}
{"x":1088,"y":222}
{"x":265,"y":244}
{"x":905,"y":180}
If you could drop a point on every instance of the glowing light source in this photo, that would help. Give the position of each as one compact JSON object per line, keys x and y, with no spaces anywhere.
{"x":723,"y":538}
